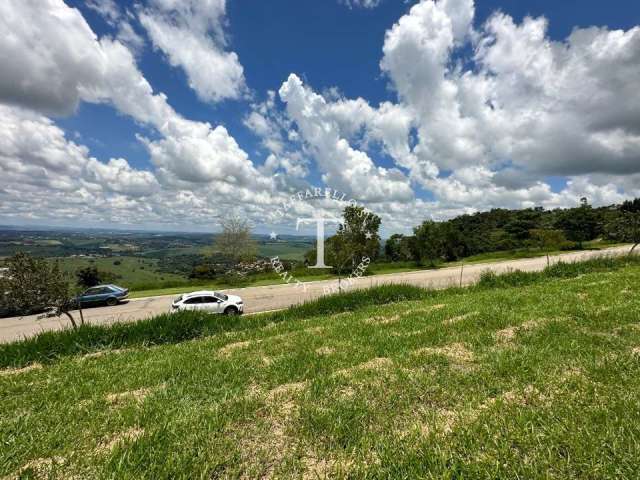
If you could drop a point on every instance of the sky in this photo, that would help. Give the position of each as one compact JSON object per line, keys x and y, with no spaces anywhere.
{"x":172,"y":114}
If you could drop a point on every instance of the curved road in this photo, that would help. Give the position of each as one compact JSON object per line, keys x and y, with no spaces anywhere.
{"x":273,"y":297}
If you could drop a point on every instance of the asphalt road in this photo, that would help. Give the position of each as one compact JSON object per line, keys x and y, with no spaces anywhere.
{"x":273,"y":297}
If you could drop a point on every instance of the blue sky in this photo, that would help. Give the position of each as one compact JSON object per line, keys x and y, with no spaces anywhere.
{"x":441,"y":156}
{"x":324,"y":42}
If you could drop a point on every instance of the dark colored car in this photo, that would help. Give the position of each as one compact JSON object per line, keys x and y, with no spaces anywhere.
{"x":103,"y":294}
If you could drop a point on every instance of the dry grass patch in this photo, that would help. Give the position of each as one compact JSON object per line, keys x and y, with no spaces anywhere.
{"x":138,"y":396}
{"x":382,"y":320}
{"x":459,"y":318}
{"x":325,"y":350}
{"x":508,"y":334}
{"x":375,"y":364}
{"x":102,"y":353}
{"x":635,"y":351}
{"x":17,"y":371}
{"x":229,"y":349}
{"x":456,"y":352}
{"x":39,"y":468}
{"x":286,"y":389}
{"x":122,"y":438}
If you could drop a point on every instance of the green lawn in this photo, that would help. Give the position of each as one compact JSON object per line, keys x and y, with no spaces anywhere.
{"x":540,"y":381}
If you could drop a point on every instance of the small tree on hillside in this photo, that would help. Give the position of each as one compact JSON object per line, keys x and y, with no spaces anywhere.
{"x":235,"y":241}
{"x":33,"y":285}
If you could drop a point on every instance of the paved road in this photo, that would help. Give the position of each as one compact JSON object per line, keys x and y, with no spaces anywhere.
{"x":273,"y":297}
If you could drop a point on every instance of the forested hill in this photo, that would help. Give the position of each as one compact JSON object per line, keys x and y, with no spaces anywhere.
{"x":502,"y":229}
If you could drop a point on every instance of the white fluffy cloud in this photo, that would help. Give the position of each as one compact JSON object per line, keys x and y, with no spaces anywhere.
{"x":190,"y":33}
{"x":484,"y":113}
{"x":345,"y":168}
{"x":62,"y":63}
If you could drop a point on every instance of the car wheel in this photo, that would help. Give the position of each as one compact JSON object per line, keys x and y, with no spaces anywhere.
{"x":231,"y":311}
{"x":112,"y":301}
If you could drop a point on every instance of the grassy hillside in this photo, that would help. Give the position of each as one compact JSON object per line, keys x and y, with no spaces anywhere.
{"x":538,"y":381}
{"x":130,"y":270}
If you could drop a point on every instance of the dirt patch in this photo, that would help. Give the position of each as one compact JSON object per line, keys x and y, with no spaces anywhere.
{"x":17,"y":371}
{"x":456,"y":352}
{"x":229,"y":349}
{"x":459,"y":318}
{"x":122,"y":438}
{"x":635,"y":351}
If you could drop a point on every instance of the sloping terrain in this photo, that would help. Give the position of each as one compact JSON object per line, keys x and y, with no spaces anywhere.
{"x":530,"y":382}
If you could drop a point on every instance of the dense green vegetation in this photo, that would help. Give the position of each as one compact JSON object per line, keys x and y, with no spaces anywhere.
{"x":501,"y":230}
{"x":540,"y":380}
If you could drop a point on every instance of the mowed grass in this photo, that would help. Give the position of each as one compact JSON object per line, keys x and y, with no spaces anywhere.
{"x":539,"y":381}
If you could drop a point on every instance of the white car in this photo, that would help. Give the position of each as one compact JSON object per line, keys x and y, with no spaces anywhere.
{"x":210,"y":302}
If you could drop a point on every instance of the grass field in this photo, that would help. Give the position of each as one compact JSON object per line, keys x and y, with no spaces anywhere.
{"x":539,"y":381}
{"x":131,"y":270}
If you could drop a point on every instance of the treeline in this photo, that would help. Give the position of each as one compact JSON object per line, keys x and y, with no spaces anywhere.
{"x":502,"y":230}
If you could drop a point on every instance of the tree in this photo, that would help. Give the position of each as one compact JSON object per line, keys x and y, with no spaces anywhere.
{"x":579,"y":224}
{"x":33,"y":285}
{"x":340,"y":254}
{"x":428,"y":244}
{"x":235,"y":241}
{"x":547,"y":240}
{"x":360,"y":231}
{"x":88,"y":277}
{"x":626,"y":228}
{"x":398,"y":248}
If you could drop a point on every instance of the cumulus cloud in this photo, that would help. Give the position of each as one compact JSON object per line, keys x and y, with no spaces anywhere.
{"x":63,"y":63}
{"x":190,"y":33}
{"x":549,"y":107}
{"x":484,"y":113}
{"x":344,"y":167}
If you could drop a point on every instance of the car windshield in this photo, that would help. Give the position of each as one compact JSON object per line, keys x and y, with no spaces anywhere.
{"x":221,"y":296}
